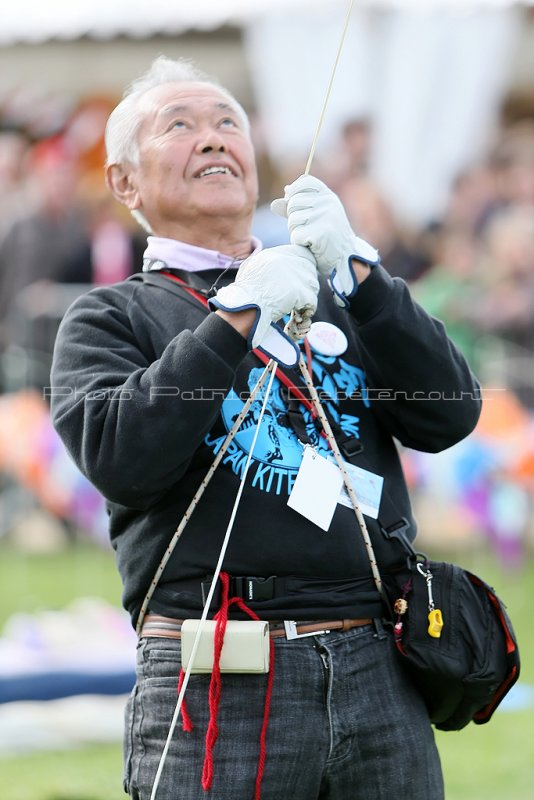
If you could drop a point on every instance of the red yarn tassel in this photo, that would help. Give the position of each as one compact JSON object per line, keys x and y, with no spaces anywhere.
{"x":215,"y":684}
{"x":263,"y":734}
{"x":187,"y":724}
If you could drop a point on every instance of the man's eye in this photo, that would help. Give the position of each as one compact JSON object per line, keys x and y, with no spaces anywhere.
{"x":227,"y":122}
{"x":179,"y":123}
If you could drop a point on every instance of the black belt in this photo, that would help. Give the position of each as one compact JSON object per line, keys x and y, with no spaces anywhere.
{"x":253,"y":589}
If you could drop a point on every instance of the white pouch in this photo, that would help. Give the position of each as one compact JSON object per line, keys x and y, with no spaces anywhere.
{"x":246,"y":646}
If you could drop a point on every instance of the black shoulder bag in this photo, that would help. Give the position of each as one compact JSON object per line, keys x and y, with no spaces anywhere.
{"x":453,"y":636}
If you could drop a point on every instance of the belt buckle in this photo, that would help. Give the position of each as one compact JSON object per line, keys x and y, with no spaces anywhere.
{"x":254,"y":589}
{"x":291,"y":631}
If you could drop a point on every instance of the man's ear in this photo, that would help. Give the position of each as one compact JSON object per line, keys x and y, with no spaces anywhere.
{"x":120,"y":182}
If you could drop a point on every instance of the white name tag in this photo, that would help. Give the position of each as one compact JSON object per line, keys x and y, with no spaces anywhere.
{"x":367,"y":487}
{"x":315,"y":493}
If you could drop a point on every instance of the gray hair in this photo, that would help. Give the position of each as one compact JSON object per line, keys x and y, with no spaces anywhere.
{"x":123,"y":123}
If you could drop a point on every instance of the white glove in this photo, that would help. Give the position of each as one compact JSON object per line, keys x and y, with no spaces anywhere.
{"x":317,"y":219}
{"x":275,"y":281}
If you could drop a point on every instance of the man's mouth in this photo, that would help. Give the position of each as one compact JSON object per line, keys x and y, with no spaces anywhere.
{"x":219,"y":170}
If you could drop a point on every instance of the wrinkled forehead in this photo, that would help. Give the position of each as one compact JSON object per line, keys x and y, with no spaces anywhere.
{"x":192,"y":97}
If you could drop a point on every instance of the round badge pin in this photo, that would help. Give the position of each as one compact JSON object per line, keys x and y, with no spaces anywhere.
{"x":327,"y":339}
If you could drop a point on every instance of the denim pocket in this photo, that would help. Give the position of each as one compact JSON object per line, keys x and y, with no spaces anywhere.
{"x":162,"y":659}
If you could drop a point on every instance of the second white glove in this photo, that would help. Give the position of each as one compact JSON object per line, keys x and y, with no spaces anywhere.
{"x":317,"y":219}
{"x":274,"y":281}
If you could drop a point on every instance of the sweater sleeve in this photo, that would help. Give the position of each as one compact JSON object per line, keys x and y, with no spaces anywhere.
{"x":130,"y":421}
{"x":421,"y":386}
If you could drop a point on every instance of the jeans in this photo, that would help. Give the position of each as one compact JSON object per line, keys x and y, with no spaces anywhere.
{"x":345,"y":723}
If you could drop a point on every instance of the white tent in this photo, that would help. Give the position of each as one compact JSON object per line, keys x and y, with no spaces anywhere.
{"x":35,"y":20}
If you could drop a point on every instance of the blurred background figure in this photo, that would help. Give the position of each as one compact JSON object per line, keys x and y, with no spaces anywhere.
{"x":39,"y":243}
{"x":13,"y":147}
{"x":504,"y":308}
{"x":448,"y":288}
{"x":58,"y":227}
{"x":356,"y":137}
{"x":372,"y":216}
{"x":512,"y":162}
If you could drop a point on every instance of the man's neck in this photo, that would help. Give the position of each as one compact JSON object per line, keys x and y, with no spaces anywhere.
{"x":235,"y":241}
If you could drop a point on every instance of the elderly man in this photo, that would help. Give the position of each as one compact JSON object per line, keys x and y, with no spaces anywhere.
{"x":149,"y":376}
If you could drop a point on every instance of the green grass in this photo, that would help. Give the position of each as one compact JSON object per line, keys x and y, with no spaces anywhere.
{"x":490,"y":762}
{"x":91,"y":773}
{"x":496,"y":761}
{"x":31,"y":581}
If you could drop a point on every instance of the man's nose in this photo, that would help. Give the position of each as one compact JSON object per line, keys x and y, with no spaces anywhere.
{"x":211,"y":141}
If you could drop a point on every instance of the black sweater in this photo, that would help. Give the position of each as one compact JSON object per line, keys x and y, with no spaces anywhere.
{"x":140,"y":373}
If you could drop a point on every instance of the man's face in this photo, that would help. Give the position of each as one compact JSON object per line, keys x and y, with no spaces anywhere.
{"x":196,"y":160}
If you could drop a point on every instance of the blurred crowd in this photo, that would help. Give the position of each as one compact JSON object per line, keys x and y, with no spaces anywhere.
{"x":58,"y":224}
{"x":61,"y":232}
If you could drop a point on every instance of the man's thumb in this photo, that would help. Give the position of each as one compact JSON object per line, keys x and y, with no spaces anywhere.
{"x":279,"y":206}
